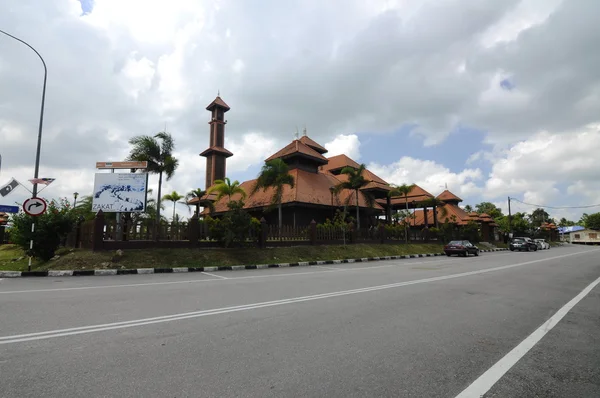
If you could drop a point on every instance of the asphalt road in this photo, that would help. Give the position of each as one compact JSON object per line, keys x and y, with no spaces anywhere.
{"x":428,"y":327}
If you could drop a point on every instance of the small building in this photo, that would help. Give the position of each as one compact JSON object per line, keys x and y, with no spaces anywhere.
{"x":585,"y":237}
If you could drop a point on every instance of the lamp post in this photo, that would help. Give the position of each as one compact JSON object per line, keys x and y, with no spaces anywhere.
{"x":75,"y":195}
{"x":41,"y":123}
{"x":39,"y":138}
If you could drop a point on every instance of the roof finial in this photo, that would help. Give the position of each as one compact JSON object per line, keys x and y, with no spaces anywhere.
{"x":218,"y":93}
{"x":296,"y":134}
{"x":304,"y":131}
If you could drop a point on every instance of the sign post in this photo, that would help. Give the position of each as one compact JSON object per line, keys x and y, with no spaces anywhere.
{"x":34,"y":207}
{"x":121,"y":165}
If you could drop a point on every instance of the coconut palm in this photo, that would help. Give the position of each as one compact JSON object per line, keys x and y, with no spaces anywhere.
{"x":199,"y":194}
{"x":355,"y":182}
{"x":158,"y":152}
{"x":227,"y":188}
{"x":402,"y":190}
{"x":274,"y":174}
{"x":174,"y":197}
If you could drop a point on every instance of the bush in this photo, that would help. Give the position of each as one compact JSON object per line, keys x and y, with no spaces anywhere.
{"x":50,"y":228}
{"x":235,"y":228}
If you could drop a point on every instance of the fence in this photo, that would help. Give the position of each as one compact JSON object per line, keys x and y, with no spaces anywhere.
{"x":101,"y":234}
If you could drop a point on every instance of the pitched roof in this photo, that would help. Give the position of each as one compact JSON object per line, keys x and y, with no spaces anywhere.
{"x":217,"y":149}
{"x":314,"y":145}
{"x":448,"y":196}
{"x":309,"y":188}
{"x":338,"y":162}
{"x":297,"y":147}
{"x":218,"y":102}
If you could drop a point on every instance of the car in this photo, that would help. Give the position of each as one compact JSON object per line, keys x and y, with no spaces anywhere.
{"x":544,"y":245}
{"x":461,"y":248}
{"x":522,"y":244}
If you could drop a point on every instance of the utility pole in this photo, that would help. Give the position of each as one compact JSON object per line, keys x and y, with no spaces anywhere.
{"x":509,"y":220}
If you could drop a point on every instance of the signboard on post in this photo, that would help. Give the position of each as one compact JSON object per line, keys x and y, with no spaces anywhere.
{"x":9,"y":209}
{"x":122,"y":165}
{"x":120,"y":192}
{"x":35,"y":206}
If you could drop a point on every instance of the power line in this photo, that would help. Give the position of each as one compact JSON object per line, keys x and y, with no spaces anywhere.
{"x":555,"y":207}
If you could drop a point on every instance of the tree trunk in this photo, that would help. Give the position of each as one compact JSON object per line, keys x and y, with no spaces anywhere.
{"x":435,"y":220}
{"x":357,"y":212}
{"x":425,"y":220}
{"x":157,"y":226}
{"x":198,"y":209}
{"x":280,"y":211}
{"x":405,"y":220}
{"x":174,"y":203}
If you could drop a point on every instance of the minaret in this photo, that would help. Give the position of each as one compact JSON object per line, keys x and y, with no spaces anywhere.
{"x":216,"y":154}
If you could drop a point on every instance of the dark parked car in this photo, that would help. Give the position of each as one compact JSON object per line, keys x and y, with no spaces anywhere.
{"x":461,"y":248}
{"x":522,"y":244}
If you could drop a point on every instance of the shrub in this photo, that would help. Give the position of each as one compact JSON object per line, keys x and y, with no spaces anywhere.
{"x":50,"y":228}
{"x":234,"y":228}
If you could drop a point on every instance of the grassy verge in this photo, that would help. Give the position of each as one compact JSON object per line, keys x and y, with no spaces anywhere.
{"x":165,"y":258}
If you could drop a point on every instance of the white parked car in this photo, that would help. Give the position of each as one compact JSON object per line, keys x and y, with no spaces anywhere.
{"x":542,"y":244}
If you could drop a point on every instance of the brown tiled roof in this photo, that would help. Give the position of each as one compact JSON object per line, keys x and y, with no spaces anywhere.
{"x":217,"y":149}
{"x":338,"y":162}
{"x":448,"y":196}
{"x":296,"y":147}
{"x":377,"y":185}
{"x":462,"y":218}
{"x":218,"y":102}
{"x":417,"y":194}
{"x":314,"y":145}
{"x":309,"y":188}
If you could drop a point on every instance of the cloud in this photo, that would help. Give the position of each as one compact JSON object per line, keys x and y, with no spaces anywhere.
{"x":344,"y":144}
{"x":128,"y":68}
{"x":429,"y":175}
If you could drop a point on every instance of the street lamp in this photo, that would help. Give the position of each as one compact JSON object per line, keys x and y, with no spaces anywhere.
{"x":75,"y":195}
{"x":39,"y":139}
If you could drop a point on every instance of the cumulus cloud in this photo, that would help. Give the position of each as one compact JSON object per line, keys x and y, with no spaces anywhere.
{"x":344,"y":144}
{"x":510,"y":69}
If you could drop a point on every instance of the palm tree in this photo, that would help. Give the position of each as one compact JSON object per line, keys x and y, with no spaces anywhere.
{"x":174,"y":197}
{"x":355,"y":182}
{"x":227,"y":188}
{"x":402,"y":190}
{"x":199,"y":194}
{"x":159,"y":155}
{"x":274,"y":174}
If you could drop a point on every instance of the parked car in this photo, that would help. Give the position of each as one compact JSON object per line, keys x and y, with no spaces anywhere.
{"x":461,"y":248}
{"x":522,"y":244}
{"x":542,"y":244}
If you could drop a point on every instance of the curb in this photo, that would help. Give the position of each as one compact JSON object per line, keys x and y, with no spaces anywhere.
{"x":146,"y":271}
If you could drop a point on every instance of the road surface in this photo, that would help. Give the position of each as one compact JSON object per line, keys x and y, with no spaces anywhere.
{"x":499,"y":325}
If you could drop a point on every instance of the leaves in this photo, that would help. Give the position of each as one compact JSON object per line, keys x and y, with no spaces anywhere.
{"x":227,"y":188}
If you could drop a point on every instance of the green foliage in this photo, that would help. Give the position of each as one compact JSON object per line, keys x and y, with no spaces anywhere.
{"x":235,"y":228}
{"x":470,"y":232}
{"x":395,"y":231}
{"x":274,"y":174}
{"x":355,"y":182}
{"x":538,"y":217}
{"x":447,"y":231}
{"x":566,"y":223}
{"x":227,"y":188}
{"x":199,"y":195}
{"x":593,"y":221}
{"x":489,"y":208}
{"x":175,"y":198}
{"x":50,"y":228}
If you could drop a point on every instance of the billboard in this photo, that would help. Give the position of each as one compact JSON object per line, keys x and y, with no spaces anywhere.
{"x":120,"y":192}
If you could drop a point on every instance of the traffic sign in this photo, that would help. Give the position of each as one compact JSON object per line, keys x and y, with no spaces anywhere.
{"x":35,"y":206}
{"x":9,"y":209}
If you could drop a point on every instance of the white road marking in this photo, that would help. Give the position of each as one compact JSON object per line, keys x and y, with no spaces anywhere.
{"x":323,"y":267}
{"x":485,"y":382}
{"x":217,"y":311}
{"x":282,"y":275}
{"x":216,"y":276}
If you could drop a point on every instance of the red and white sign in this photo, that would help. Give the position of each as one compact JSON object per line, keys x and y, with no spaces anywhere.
{"x":35,"y":206}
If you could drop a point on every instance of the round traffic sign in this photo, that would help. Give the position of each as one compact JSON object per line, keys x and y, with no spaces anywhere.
{"x":35,"y":206}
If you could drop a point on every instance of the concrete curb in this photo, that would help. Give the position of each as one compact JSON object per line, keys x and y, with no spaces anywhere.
{"x":146,"y":271}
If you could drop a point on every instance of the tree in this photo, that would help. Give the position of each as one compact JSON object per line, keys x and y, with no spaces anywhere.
{"x":402,"y":190}
{"x":355,"y":182}
{"x":593,"y":221}
{"x":199,"y":194}
{"x":274,"y":174}
{"x":174,"y":197}
{"x":490,"y":209}
{"x":565,"y":223}
{"x":468,"y":208}
{"x":227,"y":188}
{"x":583,"y":220}
{"x":538,"y":217}
{"x":158,"y":152}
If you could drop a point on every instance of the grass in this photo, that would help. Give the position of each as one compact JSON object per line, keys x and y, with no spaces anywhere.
{"x":76,"y":259}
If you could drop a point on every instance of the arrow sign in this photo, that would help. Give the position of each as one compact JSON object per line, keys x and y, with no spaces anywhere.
{"x":9,"y":209}
{"x":35,"y":206}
